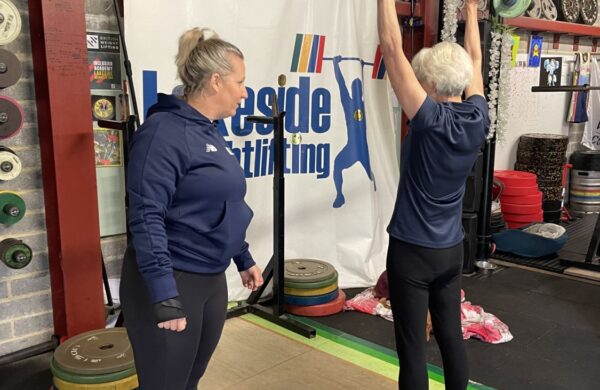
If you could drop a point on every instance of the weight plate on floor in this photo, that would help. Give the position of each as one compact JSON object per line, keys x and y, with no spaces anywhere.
{"x":542,"y":172}
{"x":312,"y":285}
{"x":90,"y":379}
{"x":589,"y":12}
{"x":549,"y":10}
{"x":544,"y":142}
{"x":15,"y":253}
{"x":102,"y":351}
{"x":310,"y":301}
{"x":522,"y":199}
{"x":10,"y":22}
{"x":310,"y":292}
{"x":307,"y":270}
{"x":534,"y":157}
{"x":10,"y":68}
{"x":128,"y":383}
{"x":12,"y":207}
{"x":11,"y":117}
{"x":10,"y":164}
{"x":326,"y":309}
{"x":516,"y":178}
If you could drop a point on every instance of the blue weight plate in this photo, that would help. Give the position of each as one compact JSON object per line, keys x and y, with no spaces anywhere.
{"x":311,"y":301}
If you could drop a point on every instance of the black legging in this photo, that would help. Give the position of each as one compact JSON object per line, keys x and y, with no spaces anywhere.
{"x":419,"y":278}
{"x":165,"y":359}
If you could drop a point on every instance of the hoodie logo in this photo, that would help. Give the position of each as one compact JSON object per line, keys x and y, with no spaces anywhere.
{"x":210,"y":148}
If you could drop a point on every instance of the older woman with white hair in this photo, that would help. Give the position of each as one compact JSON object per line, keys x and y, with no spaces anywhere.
{"x":425,"y":253}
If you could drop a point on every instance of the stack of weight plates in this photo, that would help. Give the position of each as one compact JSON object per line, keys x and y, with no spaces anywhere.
{"x":521,"y":200}
{"x":96,"y":360}
{"x":311,"y":288}
{"x":544,"y":155}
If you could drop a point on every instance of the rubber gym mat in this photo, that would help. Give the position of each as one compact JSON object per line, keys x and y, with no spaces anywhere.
{"x":381,"y":360}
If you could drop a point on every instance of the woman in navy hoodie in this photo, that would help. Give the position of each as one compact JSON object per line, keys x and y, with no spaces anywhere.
{"x":187,"y":218}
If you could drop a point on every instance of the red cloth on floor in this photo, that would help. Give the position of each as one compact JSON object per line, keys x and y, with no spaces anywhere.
{"x":475,"y":321}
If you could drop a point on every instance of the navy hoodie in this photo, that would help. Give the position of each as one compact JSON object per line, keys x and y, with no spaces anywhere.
{"x":186,"y":198}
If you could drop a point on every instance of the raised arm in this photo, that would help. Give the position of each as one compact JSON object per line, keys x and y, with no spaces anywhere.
{"x":473,"y":47}
{"x":409,"y":92}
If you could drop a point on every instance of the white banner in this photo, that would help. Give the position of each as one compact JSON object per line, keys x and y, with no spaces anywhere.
{"x":342,"y":175}
{"x":591,"y":134}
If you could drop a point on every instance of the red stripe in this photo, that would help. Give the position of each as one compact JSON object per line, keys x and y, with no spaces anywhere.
{"x":320,"y":56}
{"x":377,"y":62}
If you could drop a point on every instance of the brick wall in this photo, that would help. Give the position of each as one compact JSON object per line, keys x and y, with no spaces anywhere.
{"x":25,"y":296}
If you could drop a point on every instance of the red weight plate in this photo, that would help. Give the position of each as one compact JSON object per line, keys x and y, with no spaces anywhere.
{"x":533,"y":217}
{"x":326,"y":309}
{"x":511,"y":208}
{"x":518,"y":191}
{"x":516,"y":178}
{"x":522,"y":199}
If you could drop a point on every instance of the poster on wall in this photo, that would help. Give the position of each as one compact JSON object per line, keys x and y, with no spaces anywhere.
{"x":535,"y":50}
{"x":550,"y":71}
{"x":341,"y":171}
{"x":104,"y":70}
{"x":109,"y":43}
{"x":108,"y":148}
{"x":103,"y":107}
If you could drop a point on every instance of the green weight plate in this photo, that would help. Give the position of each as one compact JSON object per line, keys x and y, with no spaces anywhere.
{"x":12,"y":208}
{"x":89,"y":379}
{"x":15,"y":253}
{"x":312,"y":285}
{"x":307,"y":270}
{"x":304,"y":292}
{"x":96,"y":352}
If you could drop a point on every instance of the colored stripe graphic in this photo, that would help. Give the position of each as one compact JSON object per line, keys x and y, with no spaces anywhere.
{"x":314,"y":52}
{"x":320,"y":54}
{"x":297,"y":50}
{"x":305,"y":55}
{"x":378,"y":65}
{"x":150,"y":88}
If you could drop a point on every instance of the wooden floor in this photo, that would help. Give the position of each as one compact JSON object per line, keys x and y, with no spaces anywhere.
{"x":250,"y":357}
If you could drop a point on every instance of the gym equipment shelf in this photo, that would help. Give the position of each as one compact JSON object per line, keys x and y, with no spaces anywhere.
{"x":541,"y":25}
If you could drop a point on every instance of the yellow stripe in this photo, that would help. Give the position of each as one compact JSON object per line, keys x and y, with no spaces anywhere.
{"x":131,"y":382}
{"x":302,"y":292}
{"x":305,"y":56}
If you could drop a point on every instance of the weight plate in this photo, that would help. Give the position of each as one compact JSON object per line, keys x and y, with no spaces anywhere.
{"x":516,"y":178}
{"x":522,"y":199}
{"x":90,"y":379}
{"x":551,"y":193}
{"x":11,"y":117}
{"x":312,"y":285}
{"x":511,"y":9}
{"x":128,"y":383}
{"x":310,"y":301}
{"x":15,"y":253}
{"x":307,"y":270}
{"x":10,"y":68}
{"x":326,"y":309}
{"x":10,"y":164}
{"x":534,"y":157}
{"x":535,"y":142}
{"x":542,"y":172}
{"x":510,"y":208}
{"x":568,"y":10}
{"x":10,"y":22}
{"x":96,"y":352}
{"x":535,"y":9}
{"x":549,"y":10}
{"x":304,"y":292}
{"x":12,"y":208}
{"x":589,"y":11}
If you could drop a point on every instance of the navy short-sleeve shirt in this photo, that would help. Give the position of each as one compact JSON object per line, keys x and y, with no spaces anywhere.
{"x":436,"y":157}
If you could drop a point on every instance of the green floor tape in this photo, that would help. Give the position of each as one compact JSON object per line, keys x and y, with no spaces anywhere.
{"x":373,"y":357}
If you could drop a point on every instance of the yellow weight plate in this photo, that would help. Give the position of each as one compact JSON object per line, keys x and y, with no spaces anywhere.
{"x":301,"y":292}
{"x":129,"y":383}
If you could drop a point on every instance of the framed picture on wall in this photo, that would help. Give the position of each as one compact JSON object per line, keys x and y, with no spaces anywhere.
{"x":108,"y":147}
{"x":535,"y":50}
{"x":550,"y":71}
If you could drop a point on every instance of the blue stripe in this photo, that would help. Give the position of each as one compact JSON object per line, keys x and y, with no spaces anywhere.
{"x":381,"y":73}
{"x":150,"y":88}
{"x":314,"y":52}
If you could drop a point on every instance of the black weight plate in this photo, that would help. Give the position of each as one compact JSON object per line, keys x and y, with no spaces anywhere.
{"x":551,"y":193}
{"x":568,"y":10}
{"x":11,"y":117}
{"x":102,"y":351}
{"x":544,"y":142}
{"x":550,"y":205}
{"x":534,"y":158}
{"x":589,"y":11}
{"x":542,"y":172}
{"x":307,"y":270}
{"x":10,"y":68}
